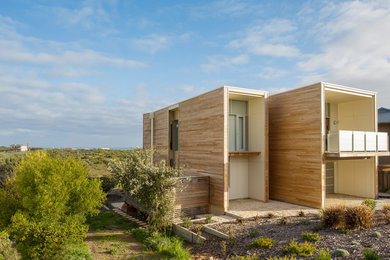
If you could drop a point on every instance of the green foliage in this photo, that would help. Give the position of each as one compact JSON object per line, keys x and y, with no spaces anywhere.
{"x":369,"y":203}
{"x":340,"y":253}
{"x":375,"y":234}
{"x":283,"y":221}
{"x":359,"y":217}
{"x":370,"y":255}
{"x":187,"y":223}
{"x":208,"y":219}
{"x":311,"y":237}
{"x":108,"y":183}
{"x":7,"y":251}
{"x":304,"y":249}
{"x":151,"y":185}
{"x":305,"y":222}
{"x":113,"y":251}
{"x":254,"y":232}
{"x":7,"y":168}
{"x":262,"y":242}
{"x":323,"y":255}
{"x":282,"y":258}
{"x":140,"y":234}
{"x":333,"y":217}
{"x":253,"y":257}
{"x":171,"y":247}
{"x":344,"y":230}
{"x":77,"y":252}
{"x":47,"y":203}
{"x":109,"y":220}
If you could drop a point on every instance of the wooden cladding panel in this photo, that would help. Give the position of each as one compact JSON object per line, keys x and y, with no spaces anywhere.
{"x":146,"y":131}
{"x":201,"y":140}
{"x":295,"y":138}
{"x":161,"y":133}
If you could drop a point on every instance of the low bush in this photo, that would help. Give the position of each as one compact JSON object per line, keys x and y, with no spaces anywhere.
{"x":344,"y":230}
{"x":333,"y":217}
{"x":311,"y":237}
{"x":386,"y":212}
{"x":208,"y":219}
{"x":282,"y":258}
{"x":254,"y":233}
{"x":369,"y":203}
{"x":359,"y":217}
{"x":140,"y":234}
{"x":187,"y":223}
{"x":323,"y":255}
{"x":253,"y":257}
{"x":171,"y":247}
{"x":304,"y":249}
{"x":370,"y":255}
{"x":262,"y":242}
{"x":7,"y":251}
{"x":108,"y":183}
{"x":77,"y":251}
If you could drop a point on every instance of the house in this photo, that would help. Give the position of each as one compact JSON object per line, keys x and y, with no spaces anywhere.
{"x":221,"y":134}
{"x":19,"y":147}
{"x":323,"y":141}
{"x":384,"y":126}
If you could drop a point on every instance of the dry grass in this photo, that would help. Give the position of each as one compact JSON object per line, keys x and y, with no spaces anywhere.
{"x":386,"y":212}
{"x":333,"y":217}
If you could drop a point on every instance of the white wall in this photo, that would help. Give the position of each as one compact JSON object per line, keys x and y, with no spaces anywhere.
{"x":355,"y":177}
{"x":356,"y":115}
{"x":238,"y":183}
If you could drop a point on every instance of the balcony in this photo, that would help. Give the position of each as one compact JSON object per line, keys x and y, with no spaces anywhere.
{"x":344,"y":143}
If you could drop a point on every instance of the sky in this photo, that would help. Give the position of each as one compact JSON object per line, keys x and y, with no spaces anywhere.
{"x":82,"y":73}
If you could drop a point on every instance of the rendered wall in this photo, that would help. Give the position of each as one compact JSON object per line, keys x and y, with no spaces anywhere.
{"x":295,"y":146}
{"x":356,"y":115}
{"x":355,"y":177}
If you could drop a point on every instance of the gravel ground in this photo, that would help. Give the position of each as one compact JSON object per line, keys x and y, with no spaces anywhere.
{"x":354,"y":242}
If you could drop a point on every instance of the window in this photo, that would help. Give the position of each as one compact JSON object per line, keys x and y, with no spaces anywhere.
{"x":238,"y":125}
{"x":174,"y":138}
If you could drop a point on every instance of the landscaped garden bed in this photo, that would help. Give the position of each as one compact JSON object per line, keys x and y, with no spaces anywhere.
{"x":281,"y":231}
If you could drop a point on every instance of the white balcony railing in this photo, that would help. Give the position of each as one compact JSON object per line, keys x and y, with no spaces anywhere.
{"x":357,"y":141}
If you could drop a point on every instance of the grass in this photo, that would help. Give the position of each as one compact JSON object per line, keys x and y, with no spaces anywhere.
{"x":107,"y":220}
{"x":311,"y":237}
{"x":262,"y":242}
{"x":304,"y":249}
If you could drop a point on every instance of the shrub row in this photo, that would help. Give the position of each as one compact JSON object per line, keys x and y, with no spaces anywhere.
{"x":356,"y":217}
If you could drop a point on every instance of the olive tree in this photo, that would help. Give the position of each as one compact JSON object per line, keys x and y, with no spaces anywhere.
{"x":152,"y":185}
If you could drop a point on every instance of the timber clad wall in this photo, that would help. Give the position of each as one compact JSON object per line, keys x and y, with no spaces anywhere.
{"x":146,"y":132}
{"x":201,"y":140}
{"x":161,"y":133}
{"x":295,"y":145}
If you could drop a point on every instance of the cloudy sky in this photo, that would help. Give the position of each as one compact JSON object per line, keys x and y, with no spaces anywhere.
{"x":82,"y":73}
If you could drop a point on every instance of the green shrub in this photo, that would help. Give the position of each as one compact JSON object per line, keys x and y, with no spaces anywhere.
{"x":140,"y":234}
{"x":344,"y":230}
{"x":77,"y":251}
{"x":311,"y":237}
{"x":149,"y":184}
{"x":7,"y":168}
{"x":46,"y":205}
{"x":208,"y":219}
{"x":359,"y":217}
{"x":370,"y":255}
{"x":323,"y":255}
{"x":254,"y":233}
{"x":304,"y":249}
{"x":262,"y":242}
{"x":187,"y":223}
{"x":340,"y":253}
{"x":171,"y":247}
{"x":108,"y":183}
{"x":318,"y":228}
{"x":7,"y":251}
{"x":369,"y":203}
{"x":333,"y":217}
{"x":282,"y":258}
{"x":253,"y":257}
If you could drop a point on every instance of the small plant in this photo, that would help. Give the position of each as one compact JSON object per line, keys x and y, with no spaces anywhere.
{"x":318,"y":228}
{"x":262,"y":242}
{"x":344,"y":230}
{"x":323,"y":255}
{"x":370,"y":255}
{"x":253,"y":257}
{"x":187,"y":223}
{"x":305,"y":222}
{"x":311,"y":237}
{"x":240,"y":220}
{"x":282,"y":258}
{"x":301,"y":213}
{"x":256,"y":218}
{"x":340,"y":253}
{"x":208,"y":219}
{"x":333,"y":217}
{"x":359,"y":217}
{"x":283,"y":221}
{"x":254,"y":233}
{"x":386,"y":212}
{"x":223,"y":248}
{"x":271,"y":215}
{"x":113,"y":251}
{"x":369,"y":203}
{"x":199,"y":230}
{"x":304,"y":249}
{"x":231,"y":237}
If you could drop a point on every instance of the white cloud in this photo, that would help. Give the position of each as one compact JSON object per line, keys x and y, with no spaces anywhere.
{"x":268,"y":39}
{"x":216,"y":63}
{"x":354,"y":47}
{"x":272,"y":73}
{"x":152,"y":43}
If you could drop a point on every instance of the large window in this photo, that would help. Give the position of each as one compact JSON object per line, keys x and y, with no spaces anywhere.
{"x":238,"y":125}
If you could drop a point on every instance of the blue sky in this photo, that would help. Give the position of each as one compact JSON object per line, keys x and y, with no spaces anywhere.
{"x":82,"y":73}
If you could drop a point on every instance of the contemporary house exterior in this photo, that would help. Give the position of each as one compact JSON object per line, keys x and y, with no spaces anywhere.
{"x":384,"y":126}
{"x":324,"y":141}
{"x":222,"y":134}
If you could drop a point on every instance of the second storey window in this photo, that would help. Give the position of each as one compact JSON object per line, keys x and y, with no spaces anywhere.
{"x":238,"y":125}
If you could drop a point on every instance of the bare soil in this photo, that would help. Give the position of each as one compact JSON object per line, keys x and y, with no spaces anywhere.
{"x":354,"y":242}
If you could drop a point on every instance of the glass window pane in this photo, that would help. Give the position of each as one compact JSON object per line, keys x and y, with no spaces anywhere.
{"x":239,"y":107}
{"x":232,"y":133}
{"x":240,"y":133}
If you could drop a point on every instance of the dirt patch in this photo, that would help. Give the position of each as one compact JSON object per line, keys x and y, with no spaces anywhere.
{"x":116,"y":244}
{"x":244,"y":233}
